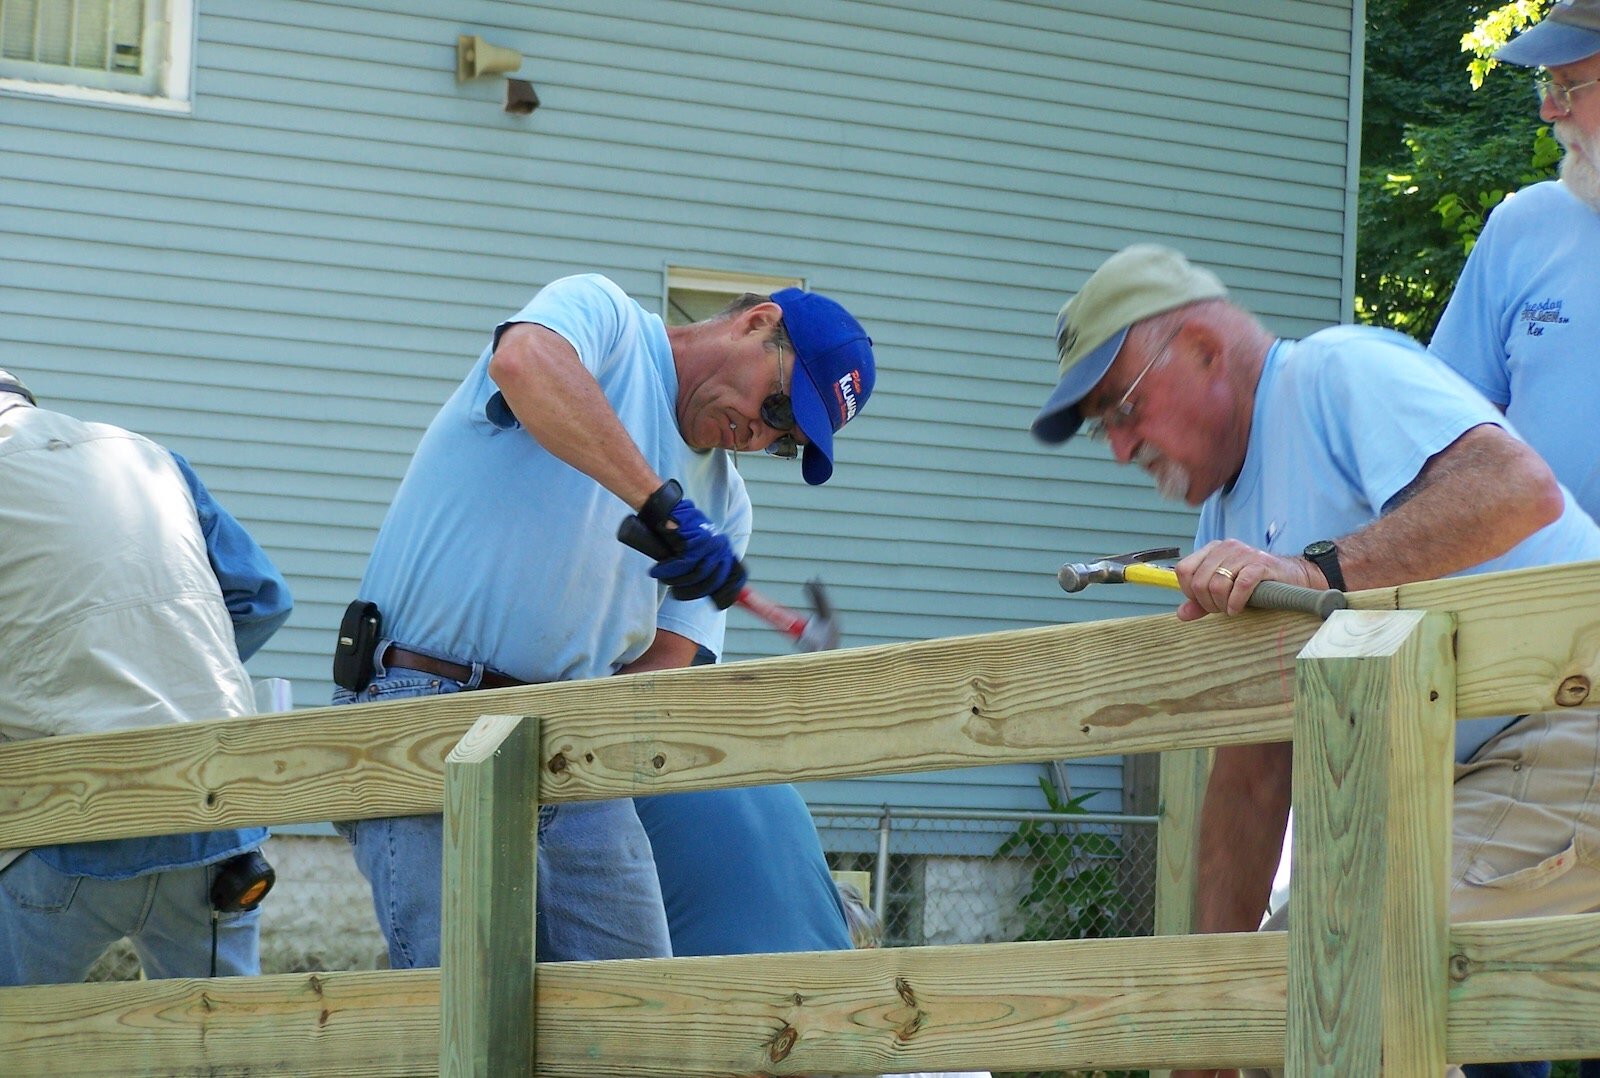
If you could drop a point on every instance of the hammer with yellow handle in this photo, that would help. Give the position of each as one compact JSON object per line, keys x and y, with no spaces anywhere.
{"x":1134,"y":568}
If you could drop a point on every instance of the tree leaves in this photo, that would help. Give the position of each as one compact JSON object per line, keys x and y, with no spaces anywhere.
{"x":1440,"y":151}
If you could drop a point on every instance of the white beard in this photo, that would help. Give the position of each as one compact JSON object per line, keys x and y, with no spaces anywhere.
{"x":1578,"y":169}
{"x":1172,"y":480}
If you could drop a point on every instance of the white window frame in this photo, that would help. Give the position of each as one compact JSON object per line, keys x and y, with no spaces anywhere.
{"x":730,"y":283}
{"x":175,"y":34}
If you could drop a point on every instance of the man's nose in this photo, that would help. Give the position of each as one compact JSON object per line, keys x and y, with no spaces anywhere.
{"x":1123,"y":444}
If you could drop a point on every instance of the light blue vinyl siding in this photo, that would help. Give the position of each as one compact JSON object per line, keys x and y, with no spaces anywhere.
{"x":285,"y":284}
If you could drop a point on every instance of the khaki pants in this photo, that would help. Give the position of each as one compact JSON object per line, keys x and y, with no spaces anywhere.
{"x":1526,"y":833}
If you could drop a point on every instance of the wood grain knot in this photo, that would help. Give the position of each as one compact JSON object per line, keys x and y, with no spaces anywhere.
{"x":1460,"y":967}
{"x":558,"y":763}
{"x":903,"y":987}
{"x":658,"y":761}
{"x":909,"y":1030}
{"x":1573,"y":691}
{"x":782,"y":1043}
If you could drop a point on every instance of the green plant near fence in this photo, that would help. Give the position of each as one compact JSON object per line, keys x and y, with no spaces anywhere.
{"x":1075,"y":890}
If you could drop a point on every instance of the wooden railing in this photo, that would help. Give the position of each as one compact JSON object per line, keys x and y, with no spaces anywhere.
{"x":1370,"y":980}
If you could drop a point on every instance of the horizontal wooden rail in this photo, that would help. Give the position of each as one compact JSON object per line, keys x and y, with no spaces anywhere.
{"x":1526,"y":640}
{"x":1520,"y":990}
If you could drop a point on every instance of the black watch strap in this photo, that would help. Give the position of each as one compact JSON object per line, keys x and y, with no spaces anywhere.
{"x":1325,"y":556}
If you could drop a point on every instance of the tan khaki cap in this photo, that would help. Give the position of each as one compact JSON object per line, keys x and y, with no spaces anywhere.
{"x":1136,"y":283}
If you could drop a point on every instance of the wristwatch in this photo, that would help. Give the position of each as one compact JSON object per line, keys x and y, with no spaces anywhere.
{"x":1325,"y":556}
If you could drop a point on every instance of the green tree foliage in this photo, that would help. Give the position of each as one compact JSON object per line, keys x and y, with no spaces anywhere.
{"x":1437,"y":154}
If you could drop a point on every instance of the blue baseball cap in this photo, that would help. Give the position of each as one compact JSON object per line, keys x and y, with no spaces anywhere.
{"x":1571,"y":32}
{"x":833,"y":373}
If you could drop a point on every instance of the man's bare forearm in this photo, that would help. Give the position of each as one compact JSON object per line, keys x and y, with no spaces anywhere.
{"x":1472,"y":502}
{"x":560,"y":404}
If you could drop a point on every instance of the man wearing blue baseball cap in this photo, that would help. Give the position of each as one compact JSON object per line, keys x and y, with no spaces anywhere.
{"x":499,"y":561}
{"x":1522,"y":322}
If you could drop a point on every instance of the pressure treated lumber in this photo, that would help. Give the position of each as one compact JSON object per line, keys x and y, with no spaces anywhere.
{"x":1035,"y":1006}
{"x":1525,"y":989}
{"x":1183,"y":788}
{"x":491,"y":821}
{"x":1520,"y":990}
{"x":1146,"y":684}
{"x":1372,"y":786}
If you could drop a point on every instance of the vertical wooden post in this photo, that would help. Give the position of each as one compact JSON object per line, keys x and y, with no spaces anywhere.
{"x":491,"y":822}
{"x":1368,"y":910}
{"x":1184,"y":774}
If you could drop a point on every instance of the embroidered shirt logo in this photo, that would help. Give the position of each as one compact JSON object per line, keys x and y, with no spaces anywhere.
{"x":1537,"y":317}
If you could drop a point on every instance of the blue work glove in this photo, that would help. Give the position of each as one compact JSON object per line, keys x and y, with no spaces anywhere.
{"x":692,"y":557}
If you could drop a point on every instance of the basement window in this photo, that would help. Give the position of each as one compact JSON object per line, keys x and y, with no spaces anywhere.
{"x":693,"y":295}
{"x":121,"y":52}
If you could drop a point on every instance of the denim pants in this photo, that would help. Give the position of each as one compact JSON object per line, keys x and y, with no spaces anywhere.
{"x":598,"y":896}
{"x":53,"y":927}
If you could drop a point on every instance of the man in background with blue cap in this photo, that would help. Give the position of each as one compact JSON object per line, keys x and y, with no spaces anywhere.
{"x":1350,"y":459}
{"x":1523,"y":324}
{"x":499,"y":562}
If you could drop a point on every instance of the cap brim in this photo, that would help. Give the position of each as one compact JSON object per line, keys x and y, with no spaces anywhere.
{"x":1060,"y":419}
{"x":811,"y":416}
{"x":1550,"y":44}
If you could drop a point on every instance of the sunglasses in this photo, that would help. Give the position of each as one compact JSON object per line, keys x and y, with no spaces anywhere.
{"x":777,"y":412}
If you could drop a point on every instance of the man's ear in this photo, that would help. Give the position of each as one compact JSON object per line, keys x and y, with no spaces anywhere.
{"x":1205,"y":340}
{"x":761,"y":318}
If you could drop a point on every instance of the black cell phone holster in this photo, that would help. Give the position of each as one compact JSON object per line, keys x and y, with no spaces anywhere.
{"x":358,"y":639}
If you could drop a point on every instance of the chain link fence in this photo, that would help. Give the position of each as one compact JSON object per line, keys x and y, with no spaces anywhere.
{"x":940,"y":877}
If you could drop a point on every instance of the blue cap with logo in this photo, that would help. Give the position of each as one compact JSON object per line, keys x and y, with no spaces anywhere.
{"x":833,"y":374}
{"x":1571,"y":32}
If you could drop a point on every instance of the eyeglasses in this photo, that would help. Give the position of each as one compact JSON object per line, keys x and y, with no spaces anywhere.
{"x":1559,"y":96}
{"x":777,"y":412}
{"x":1121,"y":414}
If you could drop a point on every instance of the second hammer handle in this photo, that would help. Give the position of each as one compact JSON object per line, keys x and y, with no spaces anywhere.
{"x":1276,"y":595}
{"x":1269,"y":594}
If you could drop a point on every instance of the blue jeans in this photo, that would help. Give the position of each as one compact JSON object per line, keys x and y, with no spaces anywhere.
{"x":53,"y":927}
{"x":598,"y":895}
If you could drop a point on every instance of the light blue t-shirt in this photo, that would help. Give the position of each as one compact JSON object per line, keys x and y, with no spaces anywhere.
{"x":496,"y":551}
{"x":1523,"y":326}
{"x":1344,"y":420}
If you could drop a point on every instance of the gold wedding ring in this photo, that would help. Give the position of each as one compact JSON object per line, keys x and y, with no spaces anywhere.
{"x":1223,"y":570}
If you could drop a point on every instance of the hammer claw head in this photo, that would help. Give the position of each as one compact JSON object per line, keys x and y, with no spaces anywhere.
{"x":1155,"y":553}
{"x":822,"y":628}
{"x":1075,"y":576}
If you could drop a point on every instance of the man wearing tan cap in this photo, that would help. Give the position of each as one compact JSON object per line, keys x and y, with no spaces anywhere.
{"x":1350,"y":459}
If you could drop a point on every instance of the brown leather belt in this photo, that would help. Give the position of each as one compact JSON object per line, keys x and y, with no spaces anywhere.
{"x":398,"y":656}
